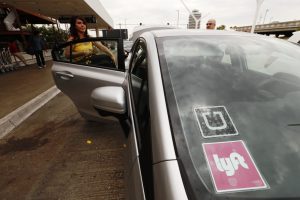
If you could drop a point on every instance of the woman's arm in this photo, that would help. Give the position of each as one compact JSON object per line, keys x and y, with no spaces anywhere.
{"x":103,"y":48}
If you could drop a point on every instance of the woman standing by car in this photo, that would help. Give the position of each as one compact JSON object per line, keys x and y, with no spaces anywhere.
{"x":82,"y":51}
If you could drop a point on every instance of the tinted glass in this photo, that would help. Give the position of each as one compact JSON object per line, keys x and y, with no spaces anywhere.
{"x":237,"y":88}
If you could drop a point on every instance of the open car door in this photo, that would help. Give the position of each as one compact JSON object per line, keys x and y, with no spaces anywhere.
{"x":96,"y":83}
{"x":81,"y":66}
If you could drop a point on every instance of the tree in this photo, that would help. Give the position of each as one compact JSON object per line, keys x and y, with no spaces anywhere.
{"x":51,"y":34}
{"x":222,"y":27}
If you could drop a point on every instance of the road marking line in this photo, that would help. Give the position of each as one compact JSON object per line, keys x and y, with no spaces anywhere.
{"x":15,"y":118}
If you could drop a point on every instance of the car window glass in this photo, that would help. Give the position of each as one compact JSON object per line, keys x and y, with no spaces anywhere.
{"x":58,"y":54}
{"x":256,"y":88}
{"x":89,"y":53}
{"x":271,"y":61}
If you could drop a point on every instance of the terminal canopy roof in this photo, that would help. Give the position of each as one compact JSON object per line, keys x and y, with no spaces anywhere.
{"x":60,"y":8}
{"x":27,"y":16}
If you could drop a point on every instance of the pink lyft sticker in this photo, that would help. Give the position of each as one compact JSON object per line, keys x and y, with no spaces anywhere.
{"x":232,"y":167}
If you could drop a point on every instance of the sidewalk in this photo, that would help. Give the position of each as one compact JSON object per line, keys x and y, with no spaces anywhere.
{"x":20,"y":86}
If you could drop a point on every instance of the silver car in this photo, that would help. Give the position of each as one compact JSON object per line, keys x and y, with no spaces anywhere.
{"x":208,"y":114}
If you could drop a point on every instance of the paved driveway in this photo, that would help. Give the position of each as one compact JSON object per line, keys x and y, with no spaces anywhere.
{"x":56,"y":154}
{"x":18,"y":87}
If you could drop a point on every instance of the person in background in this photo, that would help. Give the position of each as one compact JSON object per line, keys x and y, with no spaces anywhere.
{"x":14,"y":50}
{"x":78,"y":30}
{"x":38,"y":44}
{"x":211,"y":24}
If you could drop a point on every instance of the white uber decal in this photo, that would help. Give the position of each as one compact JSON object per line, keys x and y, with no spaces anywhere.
{"x":214,"y":121}
{"x":215,"y":114}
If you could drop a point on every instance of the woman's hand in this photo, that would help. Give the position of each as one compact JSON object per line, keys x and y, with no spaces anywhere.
{"x":87,"y":53}
{"x":113,"y":59}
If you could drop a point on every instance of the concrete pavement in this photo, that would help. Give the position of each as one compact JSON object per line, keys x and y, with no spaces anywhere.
{"x":22,"y":92}
{"x":56,"y":154}
{"x":52,"y":152}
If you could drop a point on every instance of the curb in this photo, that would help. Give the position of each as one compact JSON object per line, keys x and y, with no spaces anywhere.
{"x":15,"y":118}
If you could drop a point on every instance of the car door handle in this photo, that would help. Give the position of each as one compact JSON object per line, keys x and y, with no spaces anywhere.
{"x":65,"y":75}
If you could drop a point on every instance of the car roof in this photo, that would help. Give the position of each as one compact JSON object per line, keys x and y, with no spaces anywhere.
{"x":142,"y":29}
{"x":187,"y":32}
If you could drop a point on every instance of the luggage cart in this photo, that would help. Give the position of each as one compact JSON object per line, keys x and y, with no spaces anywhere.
{"x":6,"y":61}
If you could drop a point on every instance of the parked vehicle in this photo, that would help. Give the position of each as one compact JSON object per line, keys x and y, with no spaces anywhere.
{"x":208,"y":114}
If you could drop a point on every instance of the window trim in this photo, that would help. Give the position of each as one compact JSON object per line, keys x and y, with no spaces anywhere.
{"x":149,"y":181}
{"x":120,"y":52}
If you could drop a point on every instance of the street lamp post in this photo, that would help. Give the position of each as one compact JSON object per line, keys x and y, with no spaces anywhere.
{"x":258,"y":5}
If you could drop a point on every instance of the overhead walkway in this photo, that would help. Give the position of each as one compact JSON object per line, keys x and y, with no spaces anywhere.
{"x":276,"y":28}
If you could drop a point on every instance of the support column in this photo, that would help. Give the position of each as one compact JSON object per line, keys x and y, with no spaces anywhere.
{"x":97,"y":32}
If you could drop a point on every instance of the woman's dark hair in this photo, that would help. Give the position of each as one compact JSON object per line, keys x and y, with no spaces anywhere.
{"x":73,"y":31}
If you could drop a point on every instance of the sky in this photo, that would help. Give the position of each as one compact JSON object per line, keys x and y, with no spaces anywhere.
{"x":129,"y":13}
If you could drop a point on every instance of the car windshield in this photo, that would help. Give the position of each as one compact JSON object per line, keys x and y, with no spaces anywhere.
{"x":235,"y":88}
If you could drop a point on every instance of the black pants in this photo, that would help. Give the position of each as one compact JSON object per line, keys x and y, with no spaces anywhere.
{"x":39,"y":57}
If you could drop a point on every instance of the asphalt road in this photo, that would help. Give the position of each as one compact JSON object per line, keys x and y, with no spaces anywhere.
{"x":56,"y":154}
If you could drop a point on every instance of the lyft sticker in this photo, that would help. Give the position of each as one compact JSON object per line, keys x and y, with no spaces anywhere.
{"x":232,"y":167}
{"x":215,"y":122}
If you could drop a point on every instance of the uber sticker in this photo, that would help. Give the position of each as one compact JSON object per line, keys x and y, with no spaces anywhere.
{"x":232,"y":167}
{"x":215,"y":121}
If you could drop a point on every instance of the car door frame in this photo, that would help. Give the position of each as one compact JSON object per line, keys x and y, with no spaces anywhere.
{"x":70,"y":76}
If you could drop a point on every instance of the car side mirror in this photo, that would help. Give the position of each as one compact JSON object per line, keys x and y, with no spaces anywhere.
{"x":111,"y":101}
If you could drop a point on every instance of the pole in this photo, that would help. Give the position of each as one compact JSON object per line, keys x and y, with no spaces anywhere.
{"x":259,"y":19}
{"x":265,"y":15}
{"x":177,"y":18}
{"x":258,"y":5}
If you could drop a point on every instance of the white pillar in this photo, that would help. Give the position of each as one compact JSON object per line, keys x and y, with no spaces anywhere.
{"x":177,"y":18}
{"x":97,"y":32}
{"x":258,"y":4}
